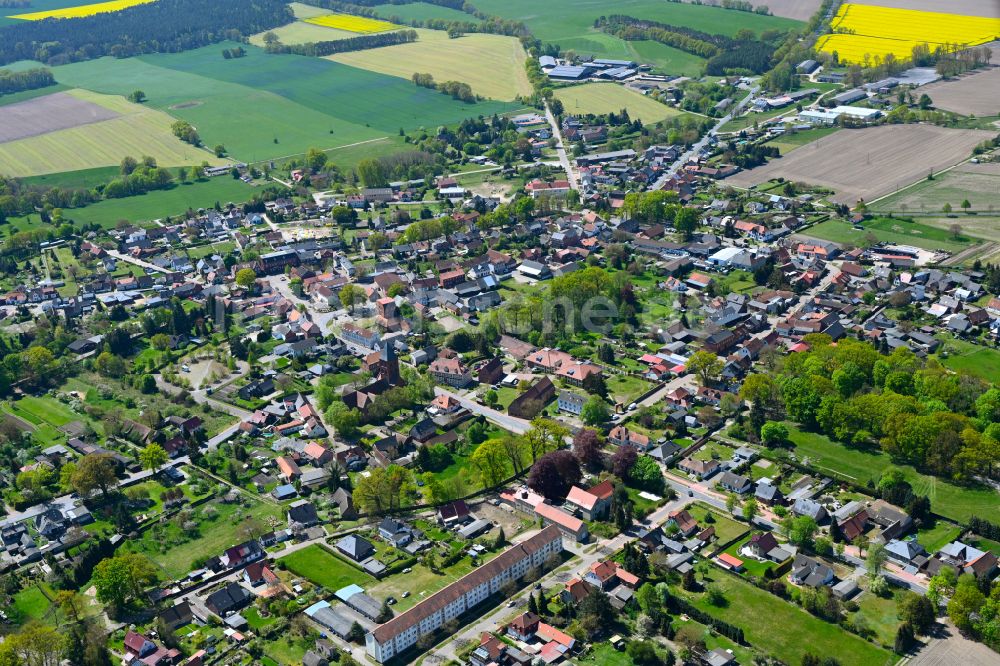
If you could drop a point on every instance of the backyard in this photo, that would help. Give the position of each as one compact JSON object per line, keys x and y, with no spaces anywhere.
{"x":320,"y":566}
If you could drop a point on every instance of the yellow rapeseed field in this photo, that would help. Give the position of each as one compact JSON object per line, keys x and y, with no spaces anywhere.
{"x":82,"y":10}
{"x":861,"y":30}
{"x":359,"y":24}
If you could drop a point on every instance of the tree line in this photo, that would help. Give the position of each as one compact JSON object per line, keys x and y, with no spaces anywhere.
{"x":359,"y":43}
{"x":29,"y":79}
{"x":165,"y":26}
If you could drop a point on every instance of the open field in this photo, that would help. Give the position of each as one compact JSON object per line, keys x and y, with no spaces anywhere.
{"x":322,"y":568}
{"x":7,"y":13}
{"x":976,"y":360}
{"x":570,"y":23}
{"x":81,"y":11}
{"x":800,"y":10}
{"x":890,"y":230}
{"x":421,"y":11}
{"x":861,"y":465}
{"x":612,"y":98}
{"x":132,"y":130}
{"x":50,"y":113}
{"x":975,"y":93}
{"x":782,"y":629}
{"x":492,"y":64}
{"x":301,"y":32}
{"x":877,"y":31}
{"x":871,"y":162}
{"x":977,"y":183}
{"x":267,"y":106}
{"x":83,"y":178}
{"x":358,"y":24}
{"x":666,"y":59}
{"x":790,"y":141}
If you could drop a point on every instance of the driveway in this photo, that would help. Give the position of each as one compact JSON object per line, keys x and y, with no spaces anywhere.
{"x":505,"y":421}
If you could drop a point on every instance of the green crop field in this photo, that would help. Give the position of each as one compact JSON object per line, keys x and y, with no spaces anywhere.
{"x":421,"y":11}
{"x":267,"y":106}
{"x":570,"y":23}
{"x":786,"y":143}
{"x":979,"y":184}
{"x":153,"y":205}
{"x":893,"y":231}
{"x":667,"y":59}
{"x":300,"y":32}
{"x":492,"y":64}
{"x":137,"y":131}
{"x":863,"y":465}
{"x":611,"y":97}
{"x":962,"y":356}
{"x":25,"y":95}
{"x":88,"y":178}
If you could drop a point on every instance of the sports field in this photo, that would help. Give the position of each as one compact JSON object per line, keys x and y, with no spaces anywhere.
{"x":871,"y":162}
{"x":570,"y":23}
{"x":865,"y":30}
{"x":979,"y":184}
{"x":267,"y":106}
{"x":81,"y":11}
{"x":611,"y":97}
{"x":492,"y":64}
{"x":132,"y":129}
{"x":891,"y":231}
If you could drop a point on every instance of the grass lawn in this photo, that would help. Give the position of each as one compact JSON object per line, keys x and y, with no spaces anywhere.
{"x":420,"y":583}
{"x":962,"y":356}
{"x":289,"y":650}
{"x":934,"y":538}
{"x":893,"y":231}
{"x":726,"y":528}
{"x":745,"y":121}
{"x":750,"y":565}
{"x":323,"y":568}
{"x":879,"y":613}
{"x":31,"y":602}
{"x":88,"y":178}
{"x":255,"y":621}
{"x":174,"y":553}
{"x":605,"y":655}
{"x":698,"y":631}
{"x":667,"y":59}
{"x":982,"y":543}
{"x":789,"y":141}
{"x":783,"y":630}
{"x":600,"y":98}
{"x":625,"y":388}
{"x":493,"y":65}
{"x":860,"y":465}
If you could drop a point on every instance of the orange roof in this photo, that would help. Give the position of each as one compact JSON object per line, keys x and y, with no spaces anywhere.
{"x":581,"y":498}
{"x":729,"y":560}
{"x":559,"y":517}
{"x":549,"y":633}
{"x":602,"y":490}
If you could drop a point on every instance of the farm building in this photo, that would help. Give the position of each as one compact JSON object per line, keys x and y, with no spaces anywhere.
{"x":570,"y":73}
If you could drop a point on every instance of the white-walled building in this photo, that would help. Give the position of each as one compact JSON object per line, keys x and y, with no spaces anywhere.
{"x":398,"y":634}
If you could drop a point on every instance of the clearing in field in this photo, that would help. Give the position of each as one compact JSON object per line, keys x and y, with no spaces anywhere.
{"x":864,"y":30}
{"x":82,"y":10}
{"x":267,"y":106}
{"x":869,"y":163}
{"x":50,"y":113}
{"x":977,"y":93}
{"x":132,"y":130}
{"x":979,"y":184}
{"x":601,"y":98}
{"x":492,"y":64}
{"x":358,"y":24}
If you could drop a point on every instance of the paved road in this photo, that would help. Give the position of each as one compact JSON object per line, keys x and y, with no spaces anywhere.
{"x":696,"y":148}
{"x":561,"y":149}
{"x":505,"y":421}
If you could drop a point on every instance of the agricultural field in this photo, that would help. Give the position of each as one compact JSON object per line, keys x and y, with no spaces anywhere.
{"x":800,"y":10}
{"x":50,"y":113}
{"x":570,"y":23}
{"x":612,"y":98}
{"x":666,"y":59}
{"x":266,"y":106}
{"x":862,"y":31}
{"x":985,"y":8}
{"x":869,"y":163}
{"x":959,"y":355}
{"x":976,"y":93}
{"x":979,"y":184}
{"x":84,"y":178}
{"x":861,"y":465}
{"x":893,"y":231}
{"x":300,"y":32}
{"x":119,"y":128}
{"x":81,"y":11}
{"x":421,"y":11}
{"x":357,"y":24}
{"x":7,"y":13}
{"x":493,"y":65}
{"x":790,"y":141}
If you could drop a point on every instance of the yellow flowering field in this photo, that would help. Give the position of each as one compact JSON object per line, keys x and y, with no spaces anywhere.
{"x":866,"y":29}
{"x":82,"y":10}
{"x":359,"y":24}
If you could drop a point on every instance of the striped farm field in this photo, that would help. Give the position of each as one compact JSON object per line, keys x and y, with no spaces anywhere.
{"x":358,"y":24}
{"x":860,"y":30}
{"x":82,"y":10}
{"x":136,"y":130}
